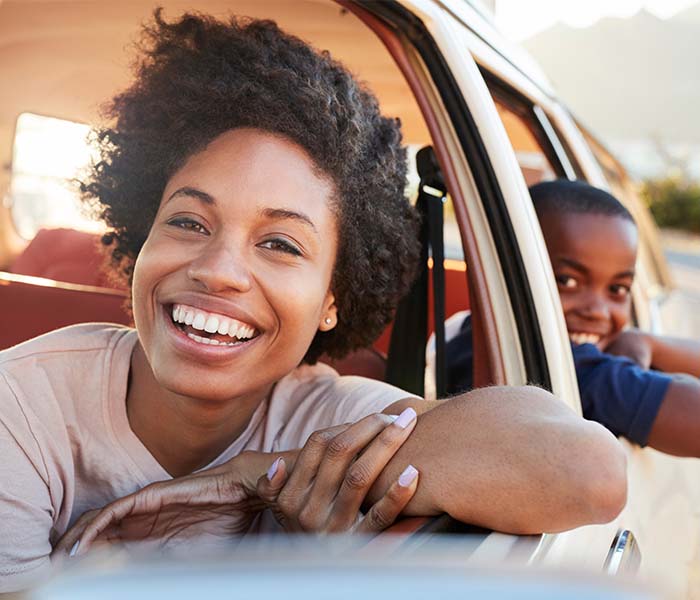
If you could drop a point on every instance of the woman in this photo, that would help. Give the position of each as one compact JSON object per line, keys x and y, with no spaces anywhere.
{"x":255,"y":198}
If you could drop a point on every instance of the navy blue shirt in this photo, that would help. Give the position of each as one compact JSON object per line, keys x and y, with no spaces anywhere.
{"x":614,"y":390}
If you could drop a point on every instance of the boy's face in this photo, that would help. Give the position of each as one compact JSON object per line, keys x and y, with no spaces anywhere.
{"x":593,"y":257}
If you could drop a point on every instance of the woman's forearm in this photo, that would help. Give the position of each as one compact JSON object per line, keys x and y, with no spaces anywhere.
{"x":514,"y":460}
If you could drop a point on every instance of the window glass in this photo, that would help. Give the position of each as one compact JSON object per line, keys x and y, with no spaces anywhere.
{"x":531,"y":157}
{"x":48,"y":155}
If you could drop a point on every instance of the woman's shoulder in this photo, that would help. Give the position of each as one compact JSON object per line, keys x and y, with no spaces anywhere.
{"x":314,"y":397}
{"x":60,"y":377}
{"x":84,"y":337}
{"x":321,"y":383}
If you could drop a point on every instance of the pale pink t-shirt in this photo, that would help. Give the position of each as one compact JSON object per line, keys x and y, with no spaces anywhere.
{"x":66,"y":445}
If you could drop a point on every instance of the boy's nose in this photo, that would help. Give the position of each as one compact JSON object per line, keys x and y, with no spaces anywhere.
{"x":220,"y":266}
{"x":595,"y":307}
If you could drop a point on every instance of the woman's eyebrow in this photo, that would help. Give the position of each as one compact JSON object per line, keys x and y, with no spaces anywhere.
{"x":285,"y":213}
{"x":194,"y":193}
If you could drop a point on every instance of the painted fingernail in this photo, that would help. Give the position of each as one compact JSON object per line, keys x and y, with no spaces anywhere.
{"x":405,"y":418}
{"x":408,"y":476}
{"x":273,"y":469}
{"x":74,"y":549}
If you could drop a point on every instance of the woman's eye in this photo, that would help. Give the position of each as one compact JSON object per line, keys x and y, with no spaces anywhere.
{"x":566,"y":281}
{"x":281,"y":245}
{"x":188,"y":224}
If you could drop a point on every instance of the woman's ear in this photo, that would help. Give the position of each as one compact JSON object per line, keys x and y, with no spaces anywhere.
{"x":329,"y":315}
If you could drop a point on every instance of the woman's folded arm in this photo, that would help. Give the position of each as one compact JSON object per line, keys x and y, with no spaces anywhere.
{"x":513,"y":459}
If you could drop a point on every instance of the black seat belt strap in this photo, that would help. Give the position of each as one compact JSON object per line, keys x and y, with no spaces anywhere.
{"x":435,"y":191}
{"x":406,"y":363}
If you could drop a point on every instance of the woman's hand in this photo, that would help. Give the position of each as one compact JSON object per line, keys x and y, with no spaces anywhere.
{"x":333,"y":474}
{"x":219,"y":502}
{"x":324,"y":493}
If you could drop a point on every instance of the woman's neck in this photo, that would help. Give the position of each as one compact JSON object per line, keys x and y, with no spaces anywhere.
{"x":182,"y":433}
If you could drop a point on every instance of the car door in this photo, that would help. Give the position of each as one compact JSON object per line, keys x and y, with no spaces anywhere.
{"x":491,"y":200}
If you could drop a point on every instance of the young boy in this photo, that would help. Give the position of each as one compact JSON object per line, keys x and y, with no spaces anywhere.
{"x":638,"y":385}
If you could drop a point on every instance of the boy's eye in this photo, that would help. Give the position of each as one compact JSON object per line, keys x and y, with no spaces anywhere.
{"x":188,"y":224}
{"x":281,"y":245}
{"x":620,"y":290}
{"x":566,"y":281}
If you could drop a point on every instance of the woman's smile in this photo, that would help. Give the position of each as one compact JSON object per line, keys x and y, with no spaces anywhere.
{"x":193,"y":338}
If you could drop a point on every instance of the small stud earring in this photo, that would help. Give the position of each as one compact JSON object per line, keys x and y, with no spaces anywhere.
{"x":327,"y":320}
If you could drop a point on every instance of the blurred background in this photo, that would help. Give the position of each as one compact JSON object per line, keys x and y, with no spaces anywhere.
{"x":628,"y":69}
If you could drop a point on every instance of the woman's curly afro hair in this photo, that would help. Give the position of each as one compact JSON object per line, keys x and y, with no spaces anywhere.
{"x":198,"y":78}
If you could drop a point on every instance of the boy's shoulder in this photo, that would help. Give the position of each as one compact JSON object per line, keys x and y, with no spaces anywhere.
{"x":590,"y":361}
{"x":618,"y":393}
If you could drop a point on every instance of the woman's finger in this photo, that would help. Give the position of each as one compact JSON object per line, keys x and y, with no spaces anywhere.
{"x":362,"y":474}
{"x":270,"y":484}
{"x":70,"y":537}
{"x":300,"y":479}
{"x":340,"y":453}
{"x":387,"y":509}
{"x":108,"y":516}
{"x":190,"y":491}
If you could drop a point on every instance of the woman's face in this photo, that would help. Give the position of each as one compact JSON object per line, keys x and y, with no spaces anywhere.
{"x":243,"y":245}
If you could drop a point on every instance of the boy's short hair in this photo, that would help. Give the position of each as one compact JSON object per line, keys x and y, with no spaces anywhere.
{"x":565,"y":196}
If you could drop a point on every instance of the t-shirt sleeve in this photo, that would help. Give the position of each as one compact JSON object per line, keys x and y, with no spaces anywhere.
{"x":26,"y":512}
{"x":618,"y":393}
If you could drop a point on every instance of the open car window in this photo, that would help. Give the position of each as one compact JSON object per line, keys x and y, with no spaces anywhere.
{"x":48,"y":157}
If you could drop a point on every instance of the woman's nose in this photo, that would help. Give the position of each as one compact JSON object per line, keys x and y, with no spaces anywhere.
{"x":220,"y":266}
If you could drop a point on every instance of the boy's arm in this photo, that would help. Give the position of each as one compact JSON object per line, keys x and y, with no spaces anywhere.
{"x":675,"y":355}
{"x":513,"y":459}
{"x":667,"y":354}
{"x":676,"y":429}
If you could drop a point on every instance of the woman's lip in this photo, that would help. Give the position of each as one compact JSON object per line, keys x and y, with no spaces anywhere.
{"x":209,"y":353}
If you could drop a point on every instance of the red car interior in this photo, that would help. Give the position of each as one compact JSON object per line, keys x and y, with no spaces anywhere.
{"x":57,"y":282}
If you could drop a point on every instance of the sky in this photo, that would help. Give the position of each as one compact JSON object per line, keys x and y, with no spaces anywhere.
{"x":520,"y":19}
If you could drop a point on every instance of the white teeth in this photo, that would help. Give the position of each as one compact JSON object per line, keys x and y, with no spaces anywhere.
{"x":199,"y":321}
{"x":203,"y":340}
{"x":223,"y":326}
{"x":212,"y":324}
{"x":584,"y":338}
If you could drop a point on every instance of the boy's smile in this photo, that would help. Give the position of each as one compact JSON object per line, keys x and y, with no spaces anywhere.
{"x":593,"y":257}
